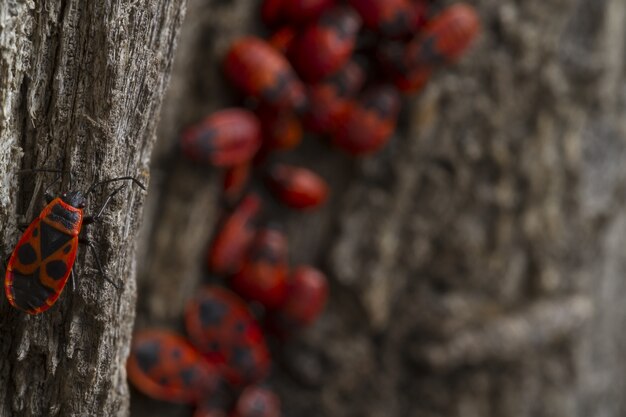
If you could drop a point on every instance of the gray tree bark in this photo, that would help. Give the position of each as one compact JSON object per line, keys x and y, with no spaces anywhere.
{"x":476,"y":264}
{"x":81,"y":85}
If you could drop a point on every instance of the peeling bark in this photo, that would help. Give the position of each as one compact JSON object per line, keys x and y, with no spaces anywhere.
{"x":476,"y":263}
{"x":81,"y":85}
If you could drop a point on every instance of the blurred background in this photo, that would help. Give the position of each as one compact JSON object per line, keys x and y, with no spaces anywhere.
{"x":475,"y":263}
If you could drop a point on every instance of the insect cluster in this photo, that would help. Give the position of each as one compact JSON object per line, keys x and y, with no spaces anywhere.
{"x":334,"y":68}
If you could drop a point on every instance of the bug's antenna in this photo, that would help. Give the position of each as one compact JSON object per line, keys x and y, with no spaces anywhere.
{"x":100,"y":183}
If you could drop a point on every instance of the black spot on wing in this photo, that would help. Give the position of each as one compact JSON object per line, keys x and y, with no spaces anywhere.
{"x":148,"y":355}
{"x":36,"y":232}
{"x":428,"y":53}
{"x":28,"y":291}
{"x":188,"y":376}
{"x":242,"y":358}
{"x":67,"y":249}
{"x":212,"y":313}
{"x":56,"y":269}
{"x":52,"y":240}
{"x":26,"y":254}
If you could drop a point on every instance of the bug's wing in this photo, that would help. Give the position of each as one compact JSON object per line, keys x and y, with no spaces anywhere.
{"x":39,"y":267}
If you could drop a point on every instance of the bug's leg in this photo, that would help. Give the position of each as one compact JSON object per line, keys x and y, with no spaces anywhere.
{"x":94,"y":252}
{"x":91,"y":219}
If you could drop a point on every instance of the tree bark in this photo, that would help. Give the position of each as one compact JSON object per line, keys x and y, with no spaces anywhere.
{"x":476,"y":263}
{"x":81,"y":85}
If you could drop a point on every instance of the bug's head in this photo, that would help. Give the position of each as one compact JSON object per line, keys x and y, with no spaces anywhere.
{"x":74,"y":199}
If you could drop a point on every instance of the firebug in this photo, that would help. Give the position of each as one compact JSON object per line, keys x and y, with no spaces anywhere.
{"x":306,"y":298}
{"x":369,"y":122}
{"x":227,"y":251}
{"x":42,"y":260}
{"x":325,"y":46}
{"x":220,"y":325}
{"x":297,"y":187}
{"x":263,"y":276}
{"x":261,"y":71}
{"x":225,"y":138}
{"x":164,"y":366}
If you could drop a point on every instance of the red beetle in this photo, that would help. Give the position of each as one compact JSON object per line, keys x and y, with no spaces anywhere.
{"x":369,"y":122}
{"x":234,"y":182}
{"x":228,"y":249}
{"x":445,"y":38}
{"x":43,"y":258}
{"x":324,"y":47}
{"x":164,"y":366}
{"x":259,"y":70}
{"x":306,"y":298}
{"x":328,"y":99}
{"x":390,"y":18}
{"x":263,"y":277}
{"x":256,"y":401}
{"x":225,"y":138}
{"x":220,"y":325}
{"x":297,"y":187}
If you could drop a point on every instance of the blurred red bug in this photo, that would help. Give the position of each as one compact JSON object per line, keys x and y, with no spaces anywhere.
{"x":327,"y":100}
{"x":306,"y":298}
{"x":263,"y":276}
{"x":220,"y":325}
{"x":325,"y":46}
{"x":390,"y":18}
{"x":225,"y":138}
{"x":164,"y":366}
{"x":445,"y":38}
{"x":297,"y":187}
{"x":257,"y":401}
{"x":234,"y":181}
{"x":228,"y":249}
{"x":259,"y":70}
{"x":369,"y":122}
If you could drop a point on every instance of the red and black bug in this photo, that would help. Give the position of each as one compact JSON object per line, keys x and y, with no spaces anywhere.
{"x":164,"y":366}
{"x":445,"y":38}
{"x":259,"y":70}
{"x":263,"y":276}
{"x":306,"y":298}
{"x":228,"y":249}
{"x":369,"y":122}
{"x":297,"y":187}
{"x":225,"y":138}
{"x":42,"y":260}
{"x":220,"y":325}
{"x":257,"y":401}
{"x":325,"y":46}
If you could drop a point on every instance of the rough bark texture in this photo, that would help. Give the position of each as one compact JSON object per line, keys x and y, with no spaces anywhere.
{"x":81,"y":86}
{"x":467,"y":257}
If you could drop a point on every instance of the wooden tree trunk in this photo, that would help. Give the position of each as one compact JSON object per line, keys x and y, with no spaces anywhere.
{"x":81,"y":85}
